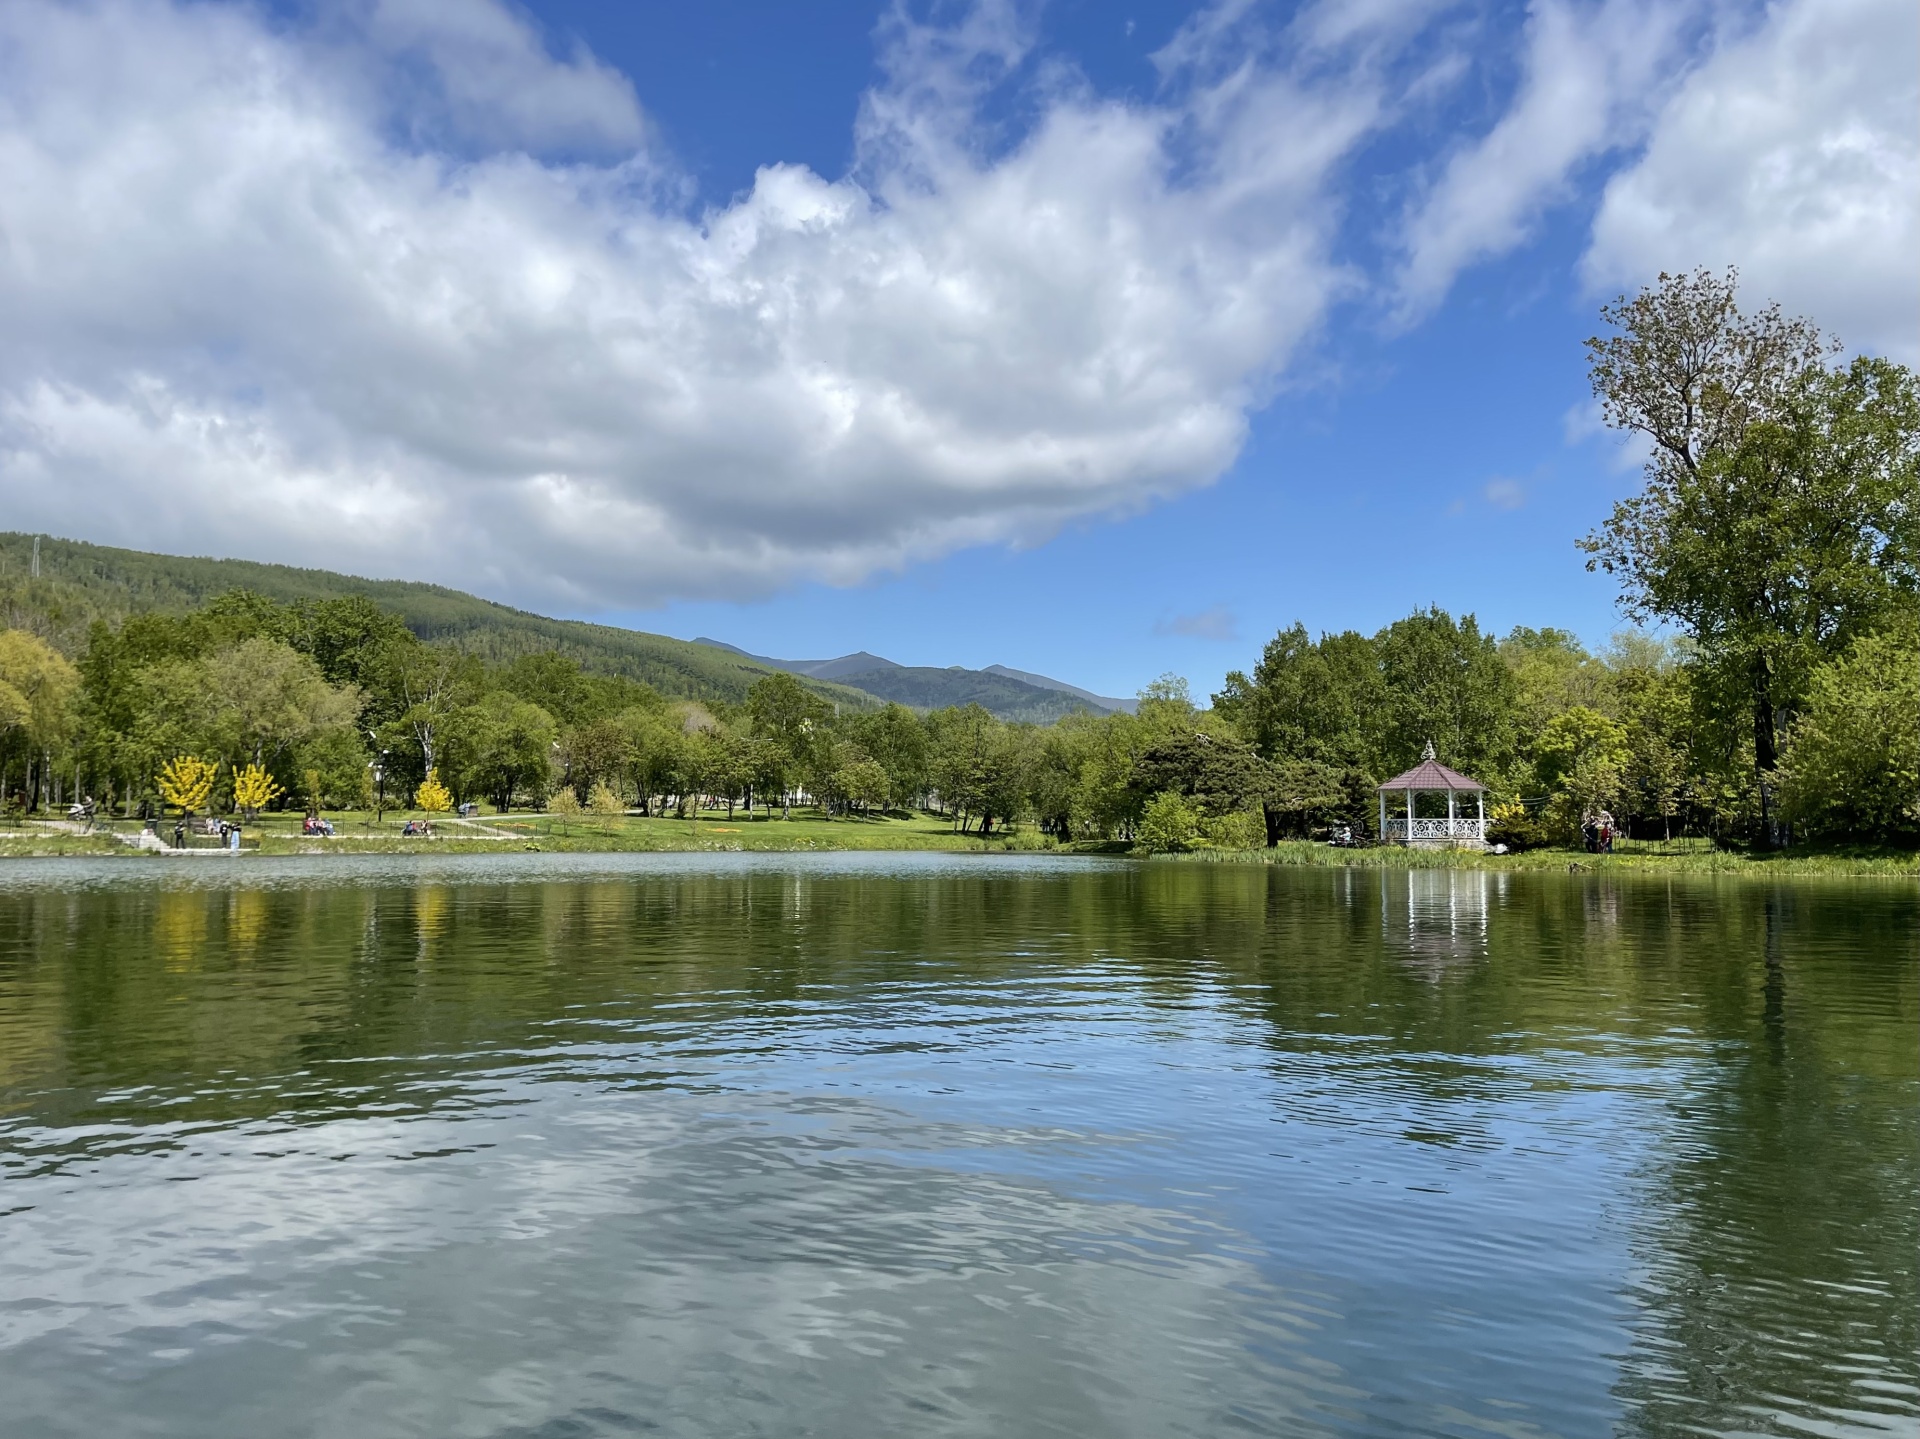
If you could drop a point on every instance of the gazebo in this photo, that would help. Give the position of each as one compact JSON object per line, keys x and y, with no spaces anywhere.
{"x":1456,"y":831}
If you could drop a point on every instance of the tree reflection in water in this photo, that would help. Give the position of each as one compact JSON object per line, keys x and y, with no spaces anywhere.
{"x":1734,"y":1062}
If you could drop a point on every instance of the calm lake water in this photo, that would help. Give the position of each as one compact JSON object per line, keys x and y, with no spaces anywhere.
{"x":922,"y":1145}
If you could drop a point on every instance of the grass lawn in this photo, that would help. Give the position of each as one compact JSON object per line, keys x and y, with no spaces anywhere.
{"x":807,"y":830}
{"x":1681,"y":856}
{"x":357,"y":833}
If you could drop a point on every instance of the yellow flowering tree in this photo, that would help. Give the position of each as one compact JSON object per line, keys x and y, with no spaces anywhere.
{"x":185,"y":782}
{"x":254,"y":790}
{"x":607,"y":806}
{"x":432,"y":796}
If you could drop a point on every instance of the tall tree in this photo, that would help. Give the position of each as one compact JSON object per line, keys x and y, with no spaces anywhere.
{"x":783,"y":710}
{"x":898,"y":744}
{"x":1779,"y":516}
{"x":1310,"y":700}
{"x":1444,"y":683}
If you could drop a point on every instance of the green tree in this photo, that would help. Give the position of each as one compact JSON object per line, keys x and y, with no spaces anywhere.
{"x":595,"y":753}
{"x":782,"y":709}
{"x":656,"y":746}
{"x":1582,"y":758}
{"x":730,"y":760}
{"x":863,"y":783}
{"x":1778,"y":519}
{"x":1305,"y":791}
{"x":1221,"y":774}
{"x":1169,"y":824}
{"x":1552,"y":672}
{"x":1656,"y":707}
{"x":431,"y":682}
{"x":1445,"y":684}
{"x":501,"y":744}
{"x":351,"y":639}
{"x":1852,"y":761}
{"x":897,"y":742}
{"x":1102,"y":801}
{"x":1319,"y":700}
{"x":39,"y":694}
{"x":977,"y":766}
{"x":255,"y":701}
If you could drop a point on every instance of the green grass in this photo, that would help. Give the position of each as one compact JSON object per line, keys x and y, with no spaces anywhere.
{"x":1641,"y":857}
{"x":358,"y":834}
{"x":807,"y":831}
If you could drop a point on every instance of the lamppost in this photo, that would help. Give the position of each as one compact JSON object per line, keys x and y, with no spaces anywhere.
{"x":380,"y":781}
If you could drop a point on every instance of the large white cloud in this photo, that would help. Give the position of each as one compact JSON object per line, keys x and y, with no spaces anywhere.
{"x":399,"y":290}
{"x":1793,"y":152}
{"x":1588,"y":72}
{"x":406,"y":294}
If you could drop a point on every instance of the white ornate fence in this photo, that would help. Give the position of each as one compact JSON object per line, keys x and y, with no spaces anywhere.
{"x":1437,"y":831}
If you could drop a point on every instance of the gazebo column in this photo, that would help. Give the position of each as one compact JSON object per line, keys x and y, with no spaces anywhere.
{"x":1383,"y":816}
{"x":1409,"y":815}
{"x":1481,"y":796}
{"x":1449,"y":815}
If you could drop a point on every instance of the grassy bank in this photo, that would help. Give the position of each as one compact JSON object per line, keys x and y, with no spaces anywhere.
{"x":1679,"y":857}
{"x":808,"y":831}
{"x":359,"y":834}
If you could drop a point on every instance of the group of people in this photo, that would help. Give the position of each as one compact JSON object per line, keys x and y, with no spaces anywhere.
{"x":314,"y":824}
{"x":1597,"y":831}
{"x":228,"y":830}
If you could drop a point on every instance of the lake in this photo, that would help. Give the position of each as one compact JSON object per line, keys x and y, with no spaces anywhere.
{"x":927,"y":1145}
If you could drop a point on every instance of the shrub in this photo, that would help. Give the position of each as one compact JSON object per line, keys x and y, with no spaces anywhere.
{"x":1028,"y":837}
{"x":1852,"y":763}
{"x":1511,"y":825}
{"x":1239,"y":830}
{"x":605,"y":804}
{"x":1170,"y":825}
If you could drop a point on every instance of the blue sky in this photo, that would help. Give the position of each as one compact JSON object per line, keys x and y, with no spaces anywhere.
{"x":1096,"y":340}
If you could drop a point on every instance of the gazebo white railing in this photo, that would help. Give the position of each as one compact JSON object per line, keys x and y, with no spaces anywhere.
{"x":1432,"y":777}
{"x":1435,"y":831}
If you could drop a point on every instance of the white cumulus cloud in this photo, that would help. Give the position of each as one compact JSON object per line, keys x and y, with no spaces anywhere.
{"x":408,"y":294}
{"x":1793,"y":152}
{"x":1588,"y":73}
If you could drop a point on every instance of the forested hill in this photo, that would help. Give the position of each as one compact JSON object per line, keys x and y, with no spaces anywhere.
{"x":1012,"y":695}
{"x":80,"y":583}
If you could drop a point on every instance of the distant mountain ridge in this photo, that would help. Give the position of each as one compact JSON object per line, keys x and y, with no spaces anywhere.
{"x":1008,"y":693}
{"x":79,"y":583}
{"x":1107,"y":702}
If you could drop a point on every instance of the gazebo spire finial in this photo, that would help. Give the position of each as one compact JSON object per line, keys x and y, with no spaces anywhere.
{"x":1430,"y":754}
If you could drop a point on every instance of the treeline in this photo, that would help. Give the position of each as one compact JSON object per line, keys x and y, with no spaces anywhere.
{"x":1777,"y":539}
{"x":344,"y":708}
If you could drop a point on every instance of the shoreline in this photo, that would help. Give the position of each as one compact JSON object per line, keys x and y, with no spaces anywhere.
{"x":542,"y":833}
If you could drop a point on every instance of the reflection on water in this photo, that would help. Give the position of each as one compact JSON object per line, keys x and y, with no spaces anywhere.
{"x":538,"y":1145}
{"x":1438,"y":917}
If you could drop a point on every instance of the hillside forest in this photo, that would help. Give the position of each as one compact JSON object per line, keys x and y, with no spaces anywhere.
{"x":1769,"y":691}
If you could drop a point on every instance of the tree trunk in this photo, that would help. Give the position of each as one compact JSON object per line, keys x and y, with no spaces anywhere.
{"x":1766,"y":756}
{"x":1272,"y":818}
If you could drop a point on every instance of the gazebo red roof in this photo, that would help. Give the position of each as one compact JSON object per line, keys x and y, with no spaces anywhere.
{"x":1431,"y":774}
